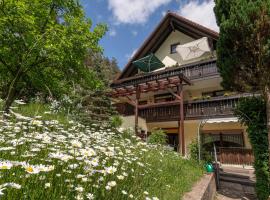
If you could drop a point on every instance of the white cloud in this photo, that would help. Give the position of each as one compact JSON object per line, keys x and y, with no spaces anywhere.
{"x":134,"y":11}
{"x":112,"y":32}
{"x":163,"y":13}
{"x":129,"y":56}
{"x":134,"y":33}
{"x":201,"y":13}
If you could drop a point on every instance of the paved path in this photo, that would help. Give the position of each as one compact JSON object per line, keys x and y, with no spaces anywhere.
{"x":235,"y":191}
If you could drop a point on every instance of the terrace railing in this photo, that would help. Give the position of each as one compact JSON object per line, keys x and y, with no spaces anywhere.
{"x":191,"y":71}
{"x":211,"y":108}
{"x":200,"y":70}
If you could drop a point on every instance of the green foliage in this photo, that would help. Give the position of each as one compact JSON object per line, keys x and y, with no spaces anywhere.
{"x":116,"y":121}
{"x":243,"y":45}
{"x":74,"y":151}
{"x":158,"y":136}
{"x":194,"y":152}
{"x":43,"y":48}
{"x":106,"y":69}
{"x":93,"y":106}
{"x":252,"y":113}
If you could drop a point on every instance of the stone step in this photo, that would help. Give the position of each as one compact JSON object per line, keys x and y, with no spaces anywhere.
{"x":237,"y":170}
{"x":235,"y":175}
{"x":242,"y":181}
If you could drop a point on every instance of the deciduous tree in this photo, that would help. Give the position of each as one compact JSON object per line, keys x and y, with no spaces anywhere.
{"x":44,"y":45}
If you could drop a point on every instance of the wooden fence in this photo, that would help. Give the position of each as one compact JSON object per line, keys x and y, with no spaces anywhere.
{"x":236,"y":156}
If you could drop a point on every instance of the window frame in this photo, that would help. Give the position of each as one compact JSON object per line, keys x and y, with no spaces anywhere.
{"x":173,"y":47}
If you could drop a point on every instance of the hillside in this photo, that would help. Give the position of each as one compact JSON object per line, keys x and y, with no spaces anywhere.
{"x":47,"y":156}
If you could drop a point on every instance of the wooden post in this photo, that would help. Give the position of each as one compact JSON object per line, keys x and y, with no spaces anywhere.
{"x":137,"y":110}
{"x":181,"y":134}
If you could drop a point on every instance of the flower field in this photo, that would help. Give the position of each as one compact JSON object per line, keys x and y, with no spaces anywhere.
{"x":44,"y":159}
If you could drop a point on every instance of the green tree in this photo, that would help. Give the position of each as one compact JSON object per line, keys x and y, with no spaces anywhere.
{"x":43,"y":46}
{"x":252,"y":113}
{"x":243,"y":47}
{"x":106,"y":69}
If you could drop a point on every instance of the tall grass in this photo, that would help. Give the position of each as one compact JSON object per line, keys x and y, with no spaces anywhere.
{"x":43,"y":159}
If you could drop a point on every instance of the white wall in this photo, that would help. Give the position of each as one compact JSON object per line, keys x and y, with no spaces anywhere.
{"x":163,"y":53}
{"x":129,"y":122}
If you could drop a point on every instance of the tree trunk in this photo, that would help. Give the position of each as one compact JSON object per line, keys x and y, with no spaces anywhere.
{"x":11,"y":95}
{"x":267,"y":94}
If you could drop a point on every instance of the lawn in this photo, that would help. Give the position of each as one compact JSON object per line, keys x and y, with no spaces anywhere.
{"x":52,"y":157}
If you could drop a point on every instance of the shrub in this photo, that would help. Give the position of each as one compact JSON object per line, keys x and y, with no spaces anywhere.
{"x":194,"y":152}
{"x":116,"y":121}
{"x":157,"y":136}
{"x":252,"y":113}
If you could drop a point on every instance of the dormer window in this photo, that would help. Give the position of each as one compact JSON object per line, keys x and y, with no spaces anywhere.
{"x":173,"y":47}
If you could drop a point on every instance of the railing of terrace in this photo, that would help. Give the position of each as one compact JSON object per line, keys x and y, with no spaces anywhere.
{"x":200,"y":70}
{"x":212,"y":108}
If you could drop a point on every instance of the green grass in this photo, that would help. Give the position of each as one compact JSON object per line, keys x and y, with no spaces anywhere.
{"x":148,"y":168}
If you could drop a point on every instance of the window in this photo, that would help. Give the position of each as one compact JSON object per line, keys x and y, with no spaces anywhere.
{"x":217,"y":93}
{"x":163,"y":97}
{"x":173,"y":47}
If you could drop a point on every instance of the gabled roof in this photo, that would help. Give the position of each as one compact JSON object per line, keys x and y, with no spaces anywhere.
{"x":169,"y":23}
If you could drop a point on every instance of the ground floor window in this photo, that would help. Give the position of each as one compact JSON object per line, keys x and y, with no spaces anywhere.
{"x":222,"y":139}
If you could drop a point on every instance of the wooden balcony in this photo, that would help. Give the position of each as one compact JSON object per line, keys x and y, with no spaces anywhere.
{"x":200,"y":109}
{"x":200,"y":70}
{"x":197,"y":70}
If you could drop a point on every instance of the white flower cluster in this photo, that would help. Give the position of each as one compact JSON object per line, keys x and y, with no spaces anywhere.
{"x":74,"y":159}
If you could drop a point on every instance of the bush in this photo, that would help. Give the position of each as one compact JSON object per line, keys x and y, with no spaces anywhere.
{"x":194,"y":152}
{"x":157,"y":136}
{"x":116,"y":121}
{"x":252,"y":113}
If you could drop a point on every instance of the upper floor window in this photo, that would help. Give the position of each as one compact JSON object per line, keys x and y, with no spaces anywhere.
{"x":173,"y":47}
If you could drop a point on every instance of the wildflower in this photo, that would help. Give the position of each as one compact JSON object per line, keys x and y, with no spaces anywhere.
{"x":5,"y":165}
{"x":110,"y":170}
{"x":76,"y":144}
{"x":79,"y":189}
{"x":37,"y":122}
{"x":1,"y":191}
{"x":79,"y":197}
{"x":111,"y":183}
{"x":47,"y":185}
{"x":155,"y":198}
{"x":90,"y":196}
{"x":145,"y":192}
{"x":13,"y":185}
{"x":124,"y":192}
{"x":131,"y":196}
{"x":108,"y":187}
{"x":120,"y":177}
{"x":31,"y":169}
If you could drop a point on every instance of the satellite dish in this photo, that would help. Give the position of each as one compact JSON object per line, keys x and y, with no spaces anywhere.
{"x":193,"y":49}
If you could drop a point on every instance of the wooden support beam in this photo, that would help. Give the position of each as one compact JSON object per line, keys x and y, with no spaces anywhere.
{"x":131,"y":101}
{"x":172,"y":92}
{"x":138,"y":93}
{"x":181,"y":134}
{"x":167,"y":103}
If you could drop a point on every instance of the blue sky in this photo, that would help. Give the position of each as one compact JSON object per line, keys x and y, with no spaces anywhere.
{"x":131,"y":21}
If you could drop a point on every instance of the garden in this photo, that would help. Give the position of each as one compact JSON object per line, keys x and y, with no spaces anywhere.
{"x":42,"y":158}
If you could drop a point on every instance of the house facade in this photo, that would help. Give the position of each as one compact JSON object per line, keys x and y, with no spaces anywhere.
{"x":184,"y":97}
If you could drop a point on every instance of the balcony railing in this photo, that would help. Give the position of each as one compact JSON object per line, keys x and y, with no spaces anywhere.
{"x":200,"y":109}
{"x":203,"y":109}
{"x":200,"y":70}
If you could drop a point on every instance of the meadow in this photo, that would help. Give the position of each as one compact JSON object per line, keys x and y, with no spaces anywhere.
{"x":49,"y":156}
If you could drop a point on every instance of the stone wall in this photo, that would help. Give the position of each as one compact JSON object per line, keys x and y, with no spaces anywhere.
{"x":204,"y":189}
